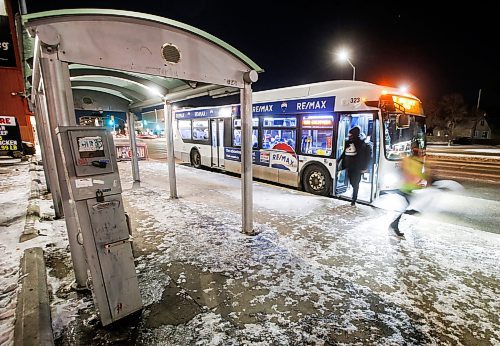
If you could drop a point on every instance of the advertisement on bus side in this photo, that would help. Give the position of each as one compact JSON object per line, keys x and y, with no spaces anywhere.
{"x":275,"y":159}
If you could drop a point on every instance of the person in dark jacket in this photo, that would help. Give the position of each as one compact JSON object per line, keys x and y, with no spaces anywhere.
{"x":353,"y":160}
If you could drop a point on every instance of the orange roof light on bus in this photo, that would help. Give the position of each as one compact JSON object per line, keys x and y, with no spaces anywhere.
{"x":406,"y":102}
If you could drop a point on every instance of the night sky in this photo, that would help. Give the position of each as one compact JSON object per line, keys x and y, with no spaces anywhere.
{"x":435,"y":50}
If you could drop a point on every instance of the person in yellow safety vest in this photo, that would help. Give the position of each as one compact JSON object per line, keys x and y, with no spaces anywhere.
{"x":415,"y":176}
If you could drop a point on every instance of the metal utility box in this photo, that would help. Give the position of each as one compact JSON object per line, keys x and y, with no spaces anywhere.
{"x":95,"y":187}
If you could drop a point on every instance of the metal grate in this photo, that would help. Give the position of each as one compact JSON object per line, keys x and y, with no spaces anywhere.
{"x":170,"y":53}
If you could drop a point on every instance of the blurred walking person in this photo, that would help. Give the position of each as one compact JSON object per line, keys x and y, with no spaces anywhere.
{"x":415,"y":176}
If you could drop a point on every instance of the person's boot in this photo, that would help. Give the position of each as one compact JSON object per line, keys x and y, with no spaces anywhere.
{"x":394,"y":226}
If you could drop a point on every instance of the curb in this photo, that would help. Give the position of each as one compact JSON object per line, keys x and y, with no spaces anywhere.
{"x":33,"y":320}
{"x":33,"y":212}
{"x":33,"y":325}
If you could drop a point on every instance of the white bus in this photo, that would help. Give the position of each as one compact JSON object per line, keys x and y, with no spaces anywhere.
{"x":300,"y":131}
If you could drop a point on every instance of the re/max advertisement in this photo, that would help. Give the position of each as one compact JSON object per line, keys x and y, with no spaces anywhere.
{"x":319,"y":105}
{"x":268,"y":158}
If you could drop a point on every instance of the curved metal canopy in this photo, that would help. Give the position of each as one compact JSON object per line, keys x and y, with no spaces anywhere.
{"x":131,"y":83}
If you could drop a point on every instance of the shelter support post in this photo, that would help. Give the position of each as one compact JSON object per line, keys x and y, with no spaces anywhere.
{"x":246,"y":159}
{"x":40,"y":138}
{"x":133,"y":146}
{"x":169,"y":133}
{"x":56,"y":90}
{"x":48,"y":154}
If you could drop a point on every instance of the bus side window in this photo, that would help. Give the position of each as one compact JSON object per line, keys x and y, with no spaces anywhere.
{"x":237,"y":138}
{"x":306,"y":144}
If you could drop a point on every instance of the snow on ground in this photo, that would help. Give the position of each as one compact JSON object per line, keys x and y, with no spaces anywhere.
{"x":439,"y":286}
{"x":15,"y":187}
{"x":319,"y":272}
{"x":485,"y":150}
{"x":463,"y":156}
{"x":14,"y":192}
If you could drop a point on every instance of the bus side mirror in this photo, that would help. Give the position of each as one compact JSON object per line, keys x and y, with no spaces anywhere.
{"x":403,"y":121}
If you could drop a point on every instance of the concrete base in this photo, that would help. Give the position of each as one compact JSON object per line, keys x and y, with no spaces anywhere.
{"x":33,"y":319}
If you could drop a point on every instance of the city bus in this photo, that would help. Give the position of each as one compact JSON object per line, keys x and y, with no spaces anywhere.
{"x":299,"y":133}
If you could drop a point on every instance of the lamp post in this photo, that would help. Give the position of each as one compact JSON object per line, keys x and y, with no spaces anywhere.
{"x":344,"y":57}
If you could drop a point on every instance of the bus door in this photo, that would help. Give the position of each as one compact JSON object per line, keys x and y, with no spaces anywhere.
{"x":368,"y":124}
{"x":217,"y":147}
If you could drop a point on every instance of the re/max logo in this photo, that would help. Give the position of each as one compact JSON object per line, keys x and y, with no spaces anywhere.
{"x":262,"y":109}
{"x":303,"y":106}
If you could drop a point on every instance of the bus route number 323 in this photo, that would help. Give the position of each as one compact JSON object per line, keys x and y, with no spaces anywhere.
{"x":355,"y":100}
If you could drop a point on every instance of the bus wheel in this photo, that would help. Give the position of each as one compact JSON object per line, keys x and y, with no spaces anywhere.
{"x":195,"y":158}
{"x":317,"y":180}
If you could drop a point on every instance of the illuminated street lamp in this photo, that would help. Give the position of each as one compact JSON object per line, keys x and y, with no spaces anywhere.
{"x":343,"y":56}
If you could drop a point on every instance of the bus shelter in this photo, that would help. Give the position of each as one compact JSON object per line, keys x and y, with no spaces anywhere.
{"x":135,"y":59}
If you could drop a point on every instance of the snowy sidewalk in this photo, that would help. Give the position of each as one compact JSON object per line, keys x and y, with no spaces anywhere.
{"x":320,"y":272}
{"x":15,"y":184}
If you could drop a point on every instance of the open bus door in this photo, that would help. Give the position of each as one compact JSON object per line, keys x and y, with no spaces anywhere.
{"x":370,"y":129}
{"x":217,"y":142}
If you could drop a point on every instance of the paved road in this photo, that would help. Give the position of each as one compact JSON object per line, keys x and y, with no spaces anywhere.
{"x":465,"y":163}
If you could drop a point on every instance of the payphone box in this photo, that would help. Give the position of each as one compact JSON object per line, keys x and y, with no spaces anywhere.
{"x":94,"y":181}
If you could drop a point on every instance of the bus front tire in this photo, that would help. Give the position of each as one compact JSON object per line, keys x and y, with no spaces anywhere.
{"x":195,"y":158}
{"x":316,"y":180}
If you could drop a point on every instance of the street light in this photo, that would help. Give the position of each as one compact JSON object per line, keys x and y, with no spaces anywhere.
{"x":343,"y":56}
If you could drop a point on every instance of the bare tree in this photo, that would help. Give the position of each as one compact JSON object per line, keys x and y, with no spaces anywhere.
{"x":433,"y":116}
{"x":453,"y":110}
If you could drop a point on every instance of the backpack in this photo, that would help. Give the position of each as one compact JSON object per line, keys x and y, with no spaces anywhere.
{"x":365,"y":156}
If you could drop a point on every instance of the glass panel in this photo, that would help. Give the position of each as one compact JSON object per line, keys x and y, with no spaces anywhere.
{"x":255,"y":122}
{"x":317,"y":142}
{"x":200,"y":130}
{"x":399,"y":142}
{"x":270,"y":138}
{"x":237,"y":138}
{"x":185,"y":128}
{"x":280,"y":122}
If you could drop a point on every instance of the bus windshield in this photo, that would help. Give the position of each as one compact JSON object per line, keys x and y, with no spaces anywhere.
{"x":399,"y":142}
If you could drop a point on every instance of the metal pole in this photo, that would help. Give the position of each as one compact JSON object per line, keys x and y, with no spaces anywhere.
{"x":169,"y":134}
{"x":353,"y":69}
{"x":478,"y":100}
{"x":246,"y":159}
{"x":45,"y":144}
{"x":41,"y":142}
{"x":24,"y":9}
{"x":59,"y":114}
{"x":133,"y":146}
{"x":49,"y":159}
